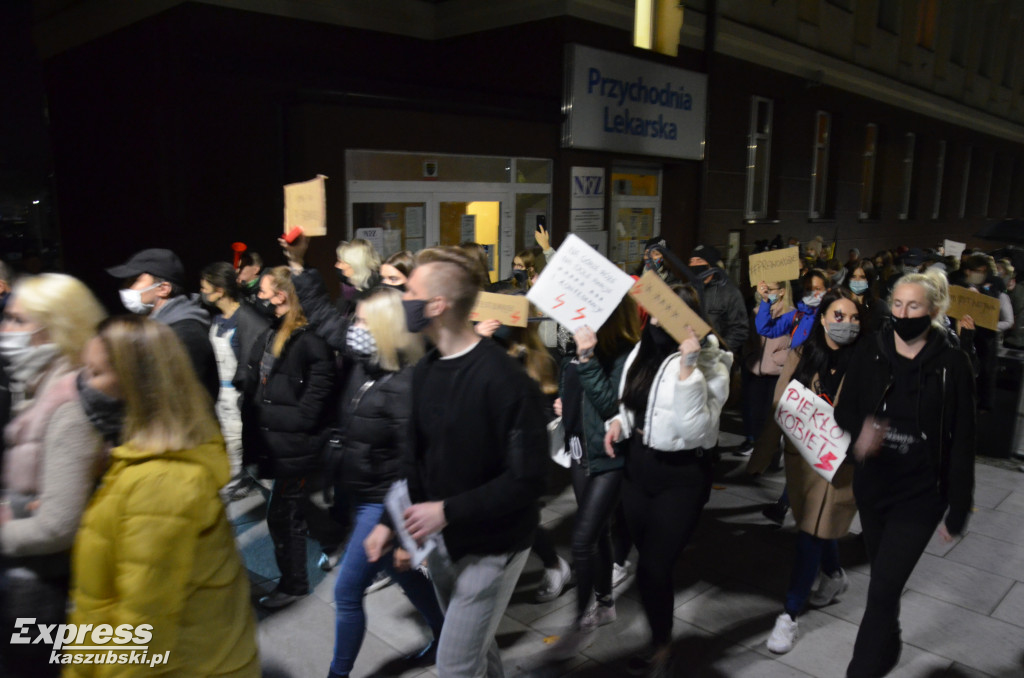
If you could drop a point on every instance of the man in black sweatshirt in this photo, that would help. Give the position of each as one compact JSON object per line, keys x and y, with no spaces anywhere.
{"x":475,"y":464}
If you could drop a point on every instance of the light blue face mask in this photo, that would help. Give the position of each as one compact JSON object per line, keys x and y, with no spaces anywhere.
{"x":858,"y":286}
{"x":772,"y":298}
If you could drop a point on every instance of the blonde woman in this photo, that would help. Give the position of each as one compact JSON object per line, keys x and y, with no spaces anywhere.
{"x":53,"y":455}
{"x":156,"y":546}
{"x":358,"y":268}
{"x":372,"y":438}
{"x":287,"y":389}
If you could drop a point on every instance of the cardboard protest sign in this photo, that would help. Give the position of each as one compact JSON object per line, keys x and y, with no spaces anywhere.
{"x":809,"y":423}
{"x":952,"y":248}
{"x":674,"y":315}
{"x":305,"y":206}
{"x":983,"y":308}
{"x":579,"y":287}
{"x":508,"y":309}
{"x":775,"y":265}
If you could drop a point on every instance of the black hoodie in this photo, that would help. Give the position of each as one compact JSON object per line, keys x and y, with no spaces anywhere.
{"x":931,"y":406}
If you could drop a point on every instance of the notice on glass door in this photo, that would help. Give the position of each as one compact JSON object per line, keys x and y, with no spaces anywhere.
{"x":468,"y":229}
{"x":414,"y":222}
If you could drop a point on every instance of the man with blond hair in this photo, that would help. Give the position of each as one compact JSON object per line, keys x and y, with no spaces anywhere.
{"x":475,"y":463}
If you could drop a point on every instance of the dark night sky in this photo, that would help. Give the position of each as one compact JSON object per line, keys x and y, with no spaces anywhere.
{"x":24,"y":152}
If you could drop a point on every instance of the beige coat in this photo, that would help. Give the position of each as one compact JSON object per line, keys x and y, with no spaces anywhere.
{"x":821,"y":509}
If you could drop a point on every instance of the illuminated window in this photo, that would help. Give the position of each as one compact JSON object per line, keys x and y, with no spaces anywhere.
{"x":819,"y":167}
{"x":867,"y":172}
{"x":656,"y":25}
{"x":909,"y":142}
{"x":927,"y":11}
{"x":759,"y":149}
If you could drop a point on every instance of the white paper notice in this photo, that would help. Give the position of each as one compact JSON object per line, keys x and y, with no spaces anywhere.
{"x":392,"y":242}
{"x":468,"y":228}
{"x":397,"y":501}
{"x":374,"y":235}
{"x":579,"y":287}
{"x":414,"y":222}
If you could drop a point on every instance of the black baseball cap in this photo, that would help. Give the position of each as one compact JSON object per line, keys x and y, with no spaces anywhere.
{"x":159,"y":263}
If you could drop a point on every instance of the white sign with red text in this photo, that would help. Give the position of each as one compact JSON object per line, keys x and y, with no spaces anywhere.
{"x":579,"y":287}
{"x":810,"y":424}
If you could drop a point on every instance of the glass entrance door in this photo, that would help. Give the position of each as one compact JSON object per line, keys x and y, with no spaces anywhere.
{"x":473,"y":219}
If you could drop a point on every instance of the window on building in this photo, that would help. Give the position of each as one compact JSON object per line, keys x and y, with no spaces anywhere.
{"x":927,"y":12}
{"x":986,"y":192}
{"x":1012,"y":59}
{"x":867,"y":173}
{"x":961,"y":26}
{"x":889,"y":15}
{"x":759,"y":150}
{"x":842,"y":4}
{"x":909,"y":142}
{"x":656,"y":25}
{"x":989,"y":49}
{"x":819,"y":167}
{"x":940,"y":171}
{"x":966,"y":181}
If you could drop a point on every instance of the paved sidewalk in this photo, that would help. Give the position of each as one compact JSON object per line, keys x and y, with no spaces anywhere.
{"x":963,"y":610}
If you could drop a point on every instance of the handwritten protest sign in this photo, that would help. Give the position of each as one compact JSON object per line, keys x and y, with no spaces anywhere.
{"x":809,"y":423}
{"x":775,"y":265}
{"x":579,"y":287}
{"x":508,"y":309}
{"x":983,"y":308}
{"x":952,"y":248}
{"x":674,"y":315}
{"x":305,"y":206}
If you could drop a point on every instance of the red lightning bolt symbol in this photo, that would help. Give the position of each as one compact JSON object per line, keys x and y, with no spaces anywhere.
{"x":580,"y":311}
{"x":560,"y":301}
{"x":825,"y":462}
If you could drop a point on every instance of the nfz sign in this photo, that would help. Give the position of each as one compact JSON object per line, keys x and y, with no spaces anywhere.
{"x":620,"y":103}
{"x":588,"y":188}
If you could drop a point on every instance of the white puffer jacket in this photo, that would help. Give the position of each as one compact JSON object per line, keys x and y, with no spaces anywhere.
{"x":682,"y":415}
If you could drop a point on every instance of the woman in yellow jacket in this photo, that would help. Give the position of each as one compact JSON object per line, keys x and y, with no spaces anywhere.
{"x":155,"y":564}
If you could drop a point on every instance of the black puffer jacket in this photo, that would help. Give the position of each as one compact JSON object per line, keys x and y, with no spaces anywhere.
{"x":945,"y":412}
{"x":285,"y":420}
{"x":374,"y":430}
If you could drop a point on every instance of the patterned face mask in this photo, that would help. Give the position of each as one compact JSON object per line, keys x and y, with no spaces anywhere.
{"x":360,"y":342}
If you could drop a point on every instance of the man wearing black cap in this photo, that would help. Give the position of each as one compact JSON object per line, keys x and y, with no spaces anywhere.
{"x":723,"y":302}
{"x":154,"y":286}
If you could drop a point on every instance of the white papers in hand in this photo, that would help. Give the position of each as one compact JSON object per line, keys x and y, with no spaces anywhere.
{"x":396,"y":501}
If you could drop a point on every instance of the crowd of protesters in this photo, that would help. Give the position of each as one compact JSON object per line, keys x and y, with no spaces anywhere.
{"x":126,"y":437}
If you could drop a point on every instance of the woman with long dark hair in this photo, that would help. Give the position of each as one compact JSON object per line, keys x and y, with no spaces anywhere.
{"x":908,"y":401}
{"x":823,"y":510}
{"x":672,"y":396}
{"x":589,"y":396}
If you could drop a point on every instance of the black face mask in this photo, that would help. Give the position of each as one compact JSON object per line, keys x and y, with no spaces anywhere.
{"x":911,"y":328}
{"x":342,"y":278}
{"x":661,"y":339}
{"x":700,"y":269}
{"x":400,"y":288}
{"x":415,"y":321}
{"x":264,"y":308}
{"x":105,"y":413}
{"x":520,"y":277}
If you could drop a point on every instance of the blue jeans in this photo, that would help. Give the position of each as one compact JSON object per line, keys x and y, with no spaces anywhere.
{"x":355,"y":573}
{"x":812,"y":554}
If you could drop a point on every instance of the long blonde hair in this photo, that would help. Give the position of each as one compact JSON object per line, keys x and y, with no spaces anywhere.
{"x":281,"y":280}
{"x":165,"y":406}
{"x":385,"y":320}
{"x":363,"y":258}
{"x":65,"y":307}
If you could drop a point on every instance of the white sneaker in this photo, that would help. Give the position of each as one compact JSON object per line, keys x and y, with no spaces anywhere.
{"x":598,"y":615}
{"x":829,"y":588}
{"x":382,"y":580}
{"x":554,"y":581}
{"x":783,"y":635}
{"x":619,"y":573}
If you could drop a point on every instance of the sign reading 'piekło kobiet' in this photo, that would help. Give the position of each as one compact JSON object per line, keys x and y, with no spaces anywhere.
{"x":618,"y":103}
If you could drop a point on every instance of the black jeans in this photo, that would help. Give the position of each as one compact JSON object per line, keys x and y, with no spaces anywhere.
{"x":663,"y":495}
{"x":756,"y":401}
{"x":895,"y":537}
{"x":596,"y":497}
{"x":286,"y":521}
